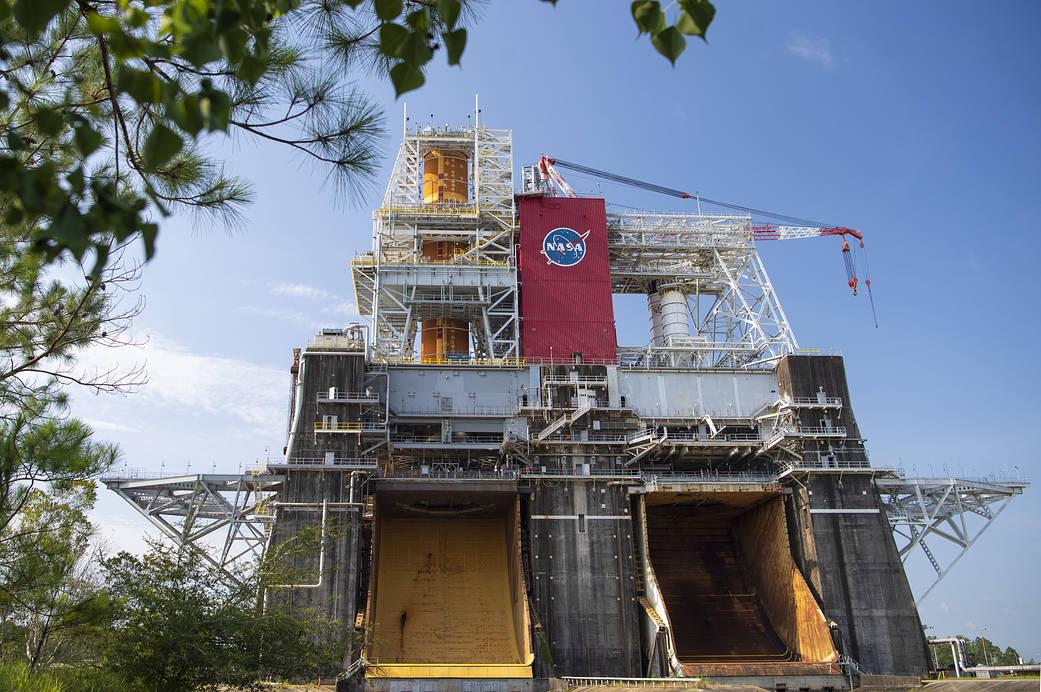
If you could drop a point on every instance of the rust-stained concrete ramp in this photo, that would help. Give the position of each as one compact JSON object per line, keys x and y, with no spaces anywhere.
{"x":448,"y":593}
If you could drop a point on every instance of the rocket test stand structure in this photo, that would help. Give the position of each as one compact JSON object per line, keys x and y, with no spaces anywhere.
{"x":506,"y":494}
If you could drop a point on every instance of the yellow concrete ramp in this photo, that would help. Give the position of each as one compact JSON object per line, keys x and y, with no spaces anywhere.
{"x":449,"y":599}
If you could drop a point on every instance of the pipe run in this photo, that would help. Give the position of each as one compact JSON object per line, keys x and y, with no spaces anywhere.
{"x":350,"y":504}
{"x":321,"y":550}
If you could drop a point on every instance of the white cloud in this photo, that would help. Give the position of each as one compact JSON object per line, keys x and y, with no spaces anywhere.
{"x":240,"y":391}
{"x":109,"y":426}
{"x":813,"y":49}
{"x":344,"y":307}
{"x":331,"y":304}
{"x":282,"y":288}
{"x":293,"y":316}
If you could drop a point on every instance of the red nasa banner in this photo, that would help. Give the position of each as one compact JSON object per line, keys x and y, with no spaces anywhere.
{"x":565,"y":277}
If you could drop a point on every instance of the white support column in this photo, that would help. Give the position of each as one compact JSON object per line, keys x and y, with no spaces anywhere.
{"x":654,"y":318}
{"x":674,"y":322}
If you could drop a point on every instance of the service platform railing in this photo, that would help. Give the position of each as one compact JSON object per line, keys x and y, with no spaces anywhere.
{"x":813,"y":401}
{"x":349,"y":427}
{"x":335,"y":396}
{"x":327,"y":462}
{"x":458,"y":439}
{"x":455,"y":411}
{"x":591,"y":438}
{"x":507,"y":362}
{"x":575,"y":380}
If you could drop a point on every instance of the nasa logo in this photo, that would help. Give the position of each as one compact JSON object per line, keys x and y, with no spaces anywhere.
{"x":564,"y":247}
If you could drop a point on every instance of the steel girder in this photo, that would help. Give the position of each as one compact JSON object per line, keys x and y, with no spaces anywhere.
{"x":225,"y":518}
{"x":954,"y":510}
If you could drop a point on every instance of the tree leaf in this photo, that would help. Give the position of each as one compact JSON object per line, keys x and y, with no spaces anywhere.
{"x":415,"y":50}
{"x":669,"y":43}
{"x":392,"y":39}
{"x":406,"y":77}
{"x":87,"y":139}
{"x":100,"y":24}
{"x":448,"y":10}
{"x":455,"y":42}
{"x":143,"y":87}
{"x":149,"y":232}
{"x":49,"y":121}
{"x":419,"y":20}
{"x":161,"y":146}
{"x":387,"y":9}
{"x":696,"y":17}
{"x":648,"y":16}
{"x":35,"y":15}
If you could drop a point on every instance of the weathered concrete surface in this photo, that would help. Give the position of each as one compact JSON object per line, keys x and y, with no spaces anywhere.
{"x":583,"y":569}
{"x":296,"y":545}
{"x":862,"y":580}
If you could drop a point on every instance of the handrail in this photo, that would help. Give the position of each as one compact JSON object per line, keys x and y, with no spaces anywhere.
{"x":456,"y":411}
{"x":813,"y":401}
{"x":355,"y":462}
{"x":338,"y":396}
{"x":348,"y":426}
{"x":592,"y":437}
{"x":816,"y":430}
{"x":470,"y":438}
{"x":581,"y":379}
{"x":508,"y":361}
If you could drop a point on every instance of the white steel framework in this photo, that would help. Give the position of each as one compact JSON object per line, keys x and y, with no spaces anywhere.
{"x":955,"y":510}
{"x":398,"y":287}
{"x":225,"y":517}
{"x":735,"y":312}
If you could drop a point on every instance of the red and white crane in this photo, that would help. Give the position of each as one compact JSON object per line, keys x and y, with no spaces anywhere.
{"x":801,"y":228}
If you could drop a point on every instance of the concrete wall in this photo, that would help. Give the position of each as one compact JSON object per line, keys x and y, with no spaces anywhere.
{"x":581,"y":546}
{"x":862,"y":581}
{"x":318,"y":373}
{"x":295,"y":547}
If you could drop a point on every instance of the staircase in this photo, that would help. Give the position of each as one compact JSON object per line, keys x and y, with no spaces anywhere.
{"x":553,"y":427}
{"x":566,"y":419}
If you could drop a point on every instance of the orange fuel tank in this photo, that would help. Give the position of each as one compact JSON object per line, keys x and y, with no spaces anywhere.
{"x":444,"y":182}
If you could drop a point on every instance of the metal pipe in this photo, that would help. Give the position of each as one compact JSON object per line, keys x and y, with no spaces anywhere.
{"x":654,"y":313}
{"x":297,"y":409}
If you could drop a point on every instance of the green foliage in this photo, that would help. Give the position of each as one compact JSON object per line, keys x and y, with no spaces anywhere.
{"x":693,"y":19}
{"x":104,"y":102}
{"x":179,"y":625}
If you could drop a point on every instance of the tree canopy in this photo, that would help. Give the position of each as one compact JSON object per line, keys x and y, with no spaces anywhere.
{"x":104,"y":102}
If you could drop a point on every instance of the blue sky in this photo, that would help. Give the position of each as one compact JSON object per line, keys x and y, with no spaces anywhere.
{"x":915,"y":122}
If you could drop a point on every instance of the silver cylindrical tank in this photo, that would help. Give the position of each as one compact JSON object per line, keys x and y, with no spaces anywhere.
{"x":674,"y":320}
{"x":654,"y":315}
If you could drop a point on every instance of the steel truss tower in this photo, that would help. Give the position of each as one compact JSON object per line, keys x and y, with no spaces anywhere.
{"x":397,"y":287}
{"x":712,"y":262}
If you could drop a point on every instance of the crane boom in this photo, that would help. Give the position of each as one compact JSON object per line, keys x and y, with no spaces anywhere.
{"x":800,"y":228}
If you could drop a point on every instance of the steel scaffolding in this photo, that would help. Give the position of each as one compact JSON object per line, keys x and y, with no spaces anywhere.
{"x":713,"y":260}
{"x":398,"y":287}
